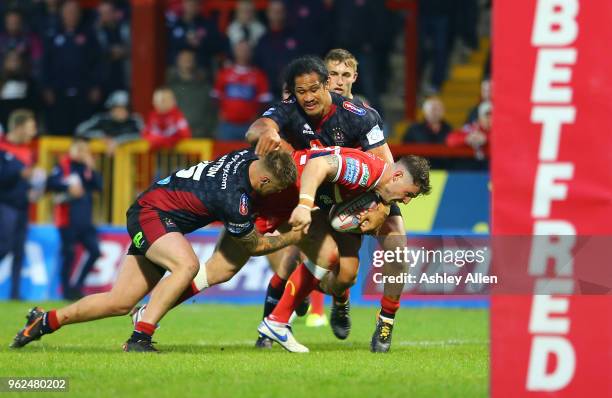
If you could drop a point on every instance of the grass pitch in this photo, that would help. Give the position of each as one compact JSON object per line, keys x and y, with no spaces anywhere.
{"x":208,"y":352}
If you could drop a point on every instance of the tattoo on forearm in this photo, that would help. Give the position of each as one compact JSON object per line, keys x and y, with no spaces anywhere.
{"x":334,"y":164}
{"x":257,"y":244}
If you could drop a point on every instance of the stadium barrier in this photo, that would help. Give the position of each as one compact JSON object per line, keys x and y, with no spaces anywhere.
{"x":40,"y":275}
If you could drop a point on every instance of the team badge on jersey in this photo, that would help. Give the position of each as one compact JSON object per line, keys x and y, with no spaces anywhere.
{"x":349,"y":106}
{"x":244,"y":204}
{"x":339,"y":137}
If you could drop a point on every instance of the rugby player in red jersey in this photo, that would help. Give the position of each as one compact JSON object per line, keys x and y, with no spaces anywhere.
{"x":221,"y":190}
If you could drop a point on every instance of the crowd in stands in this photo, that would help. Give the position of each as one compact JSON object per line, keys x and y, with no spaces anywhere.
{"x":71,"y":65}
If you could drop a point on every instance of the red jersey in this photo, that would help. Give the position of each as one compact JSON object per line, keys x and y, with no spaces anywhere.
{"x":165,"y":130}
{"x":359,"y":172}
{"x":241,"y":90}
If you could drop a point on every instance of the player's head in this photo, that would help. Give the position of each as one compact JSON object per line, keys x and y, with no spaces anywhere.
{"x":276,"y":14}
{"x":163,"y":100}
{"x":273,"y":173}
{"x":342,"y":68}
{"x":245,"y":11}
{"x":307,"y":79}
{"x":13,"y":22}
{"x":191,"y":9}
{"x":22,"y":126}
{"x":71,"y":14}
{"x":242,"y":53}
{"x":410,"y":179}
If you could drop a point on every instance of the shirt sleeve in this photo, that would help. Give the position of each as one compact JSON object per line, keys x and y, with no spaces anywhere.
{"x":280,"y":113}
{"x":371,"y":132}
{"x":358,"y":170}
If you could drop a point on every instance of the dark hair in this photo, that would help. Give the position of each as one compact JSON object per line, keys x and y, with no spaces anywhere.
{"x":282,"y":167}
{"x":418,"y":168}
{"x":303,"y":66}
{"x":19,"y":117}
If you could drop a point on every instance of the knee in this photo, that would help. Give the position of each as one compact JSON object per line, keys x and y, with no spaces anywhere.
{"x":118,"y":308}
{"x":190,"y":268}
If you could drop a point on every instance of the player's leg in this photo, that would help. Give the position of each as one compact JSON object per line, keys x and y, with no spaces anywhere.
{"x":136,"y":278}
{"x":340,"y":280}
{"x":391,"y":236}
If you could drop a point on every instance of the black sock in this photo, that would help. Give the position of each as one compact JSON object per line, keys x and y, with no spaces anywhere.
{"x":46,"y":327}
{"x":273,"y":296}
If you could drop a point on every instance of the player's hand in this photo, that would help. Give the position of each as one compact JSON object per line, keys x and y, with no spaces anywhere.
{"x":476,"y":139}
{"x":372,"y":220}
{"x":268,"y":142}
{"x":300,"y":219}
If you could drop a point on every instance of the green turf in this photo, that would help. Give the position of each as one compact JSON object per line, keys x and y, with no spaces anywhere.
{"x":208,"y":352}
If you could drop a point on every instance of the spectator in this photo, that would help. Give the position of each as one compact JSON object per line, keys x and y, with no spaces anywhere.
{"x":16,"y":160}
{"x":433,"y":129}
{"x":475,"y":135}
{"x":47,"y":20}
{"x":114,"y":37}
{"x":311,"y":20}
{"x":16,"y":38}
{"x":434,"y":38}
{"x":166,"y":124}
{"x":245,"y":26}
{"x":71,"y":75}
{"x":74,"y":180}
{"x":242,"y":91}
{"x":116,"y":126}
{"x":370,"y":46}
{"x":277,"y":47}
{"x":485,"y":96}
{"x":191,"y":90}
{"x":17,"y":88}
{"x":192,"y":31}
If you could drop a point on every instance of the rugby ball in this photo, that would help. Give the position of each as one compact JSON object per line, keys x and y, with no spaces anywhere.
{"x":345,"y":216}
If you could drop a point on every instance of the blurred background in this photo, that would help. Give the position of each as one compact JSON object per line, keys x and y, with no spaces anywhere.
{"x":122,"y":93}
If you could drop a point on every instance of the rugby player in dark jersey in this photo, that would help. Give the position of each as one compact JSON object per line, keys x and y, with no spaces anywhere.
{"x":221,"y":190}
{"x":314,"y":116}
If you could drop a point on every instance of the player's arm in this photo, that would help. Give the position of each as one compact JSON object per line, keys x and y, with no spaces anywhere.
{"x":316,"y":171}
{"x":265,"y":132}
{"x":258,"y":245}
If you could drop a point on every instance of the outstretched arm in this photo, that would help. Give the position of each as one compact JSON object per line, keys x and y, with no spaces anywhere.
{"x":258,"y":245}
{"x":265,"y":132}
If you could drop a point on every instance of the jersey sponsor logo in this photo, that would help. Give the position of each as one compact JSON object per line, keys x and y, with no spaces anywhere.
{"x":307,"y":129}
{"x":349,"y":106}
{"x":269,"y":112}
{"x":365,"y":175}
{"x":375,"y":135}
{"x":244,"y":204}
{"x":352,"y":170}
{"x":165,"y":181}
{"x":237,"y":228}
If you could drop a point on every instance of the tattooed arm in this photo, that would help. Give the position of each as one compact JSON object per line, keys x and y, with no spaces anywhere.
{"x":316,"y":171}
{"x":258,"y":245}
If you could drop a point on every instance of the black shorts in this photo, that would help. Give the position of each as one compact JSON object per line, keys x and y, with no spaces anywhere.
{"x":145,"y":225}
{"x":395,"y":210}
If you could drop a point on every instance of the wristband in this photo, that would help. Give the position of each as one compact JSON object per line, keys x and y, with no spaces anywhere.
{"x":306,"y":196}
{"x":305,"y":207}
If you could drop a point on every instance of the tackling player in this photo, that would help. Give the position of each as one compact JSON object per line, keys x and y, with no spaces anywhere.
{"x":315,"y":117}
{"x":181,"y":203}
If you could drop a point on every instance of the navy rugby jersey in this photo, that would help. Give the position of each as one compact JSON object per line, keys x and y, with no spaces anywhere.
{"x":219,"y":190}
{"x":348,"y":124}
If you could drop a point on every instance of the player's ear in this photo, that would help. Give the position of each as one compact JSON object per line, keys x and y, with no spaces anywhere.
{"x":398,"y":175}
{"x":263,"y":180}
{"x":355,"y":77}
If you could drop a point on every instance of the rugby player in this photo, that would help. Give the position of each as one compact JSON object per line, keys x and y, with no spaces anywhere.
{"x":316,"y":117}
{"x":408,"y":178}
{"x":221,"y":190}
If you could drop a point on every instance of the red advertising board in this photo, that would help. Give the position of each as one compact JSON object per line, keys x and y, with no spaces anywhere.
{"x":552,"y":176}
